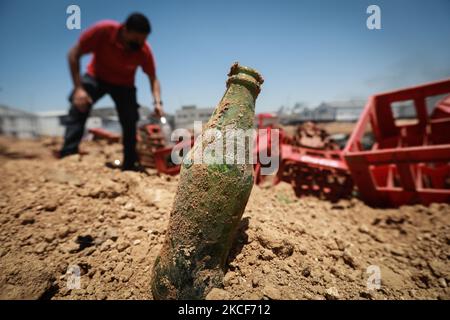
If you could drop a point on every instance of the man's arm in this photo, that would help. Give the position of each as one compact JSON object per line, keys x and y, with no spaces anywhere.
{"x":80,"y":98}
{"x":156,"y":92}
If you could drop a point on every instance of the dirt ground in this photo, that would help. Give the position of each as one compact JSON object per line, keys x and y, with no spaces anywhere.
{"x":56,"y":214}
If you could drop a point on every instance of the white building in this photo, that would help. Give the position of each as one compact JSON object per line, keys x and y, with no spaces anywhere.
{"x":18,"y":123}
{"x":185,"y":117}
{"x":344,"y":111}
{"x":51,"y":123}
{"x":323,"y":112}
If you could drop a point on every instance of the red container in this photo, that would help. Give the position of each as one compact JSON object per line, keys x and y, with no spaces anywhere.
{"x":163,"y":163}
{"x":99,"y":134}
{"x":408,"y":163}
{"x":163,"y":159}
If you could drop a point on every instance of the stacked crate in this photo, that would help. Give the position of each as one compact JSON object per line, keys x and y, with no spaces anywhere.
{"x":150,"y":139}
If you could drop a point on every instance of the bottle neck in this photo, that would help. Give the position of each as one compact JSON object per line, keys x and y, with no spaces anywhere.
{"x":237,"y":106}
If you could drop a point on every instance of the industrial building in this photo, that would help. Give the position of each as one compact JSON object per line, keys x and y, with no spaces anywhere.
{"x":185,"y":117}
{"x":18,"y":123}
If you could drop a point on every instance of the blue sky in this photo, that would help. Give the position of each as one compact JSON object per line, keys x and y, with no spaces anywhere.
{"x":307,"y":51}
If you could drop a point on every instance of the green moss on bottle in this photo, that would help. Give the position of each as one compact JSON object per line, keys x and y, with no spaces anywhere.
{"x":209,"y":203}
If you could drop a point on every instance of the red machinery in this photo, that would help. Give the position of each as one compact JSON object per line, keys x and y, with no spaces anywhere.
{"x":310,"y":171}
{"x":321,"y":173}
{"x":408,"y":163}
{"x":151,"y":147}
{"x":154,"y":152}
{"x":102,"y":134}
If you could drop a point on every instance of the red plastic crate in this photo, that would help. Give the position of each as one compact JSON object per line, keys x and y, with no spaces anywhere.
{"x":163,"y":159}
{"x":163,"y":163}
{"x":408,"y":163}
{"x":100,"y":133}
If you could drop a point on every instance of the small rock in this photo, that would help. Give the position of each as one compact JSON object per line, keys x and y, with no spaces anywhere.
{"x":349,"y":259}
{"x":254,"y":296}
{"x":363,"y":229}
{"x":122,"y":215}
{"x":136,"y":242}
{"x":122,"y":246}
{"x":272,"y":293}
{"x":282,"y":248}
{"x":285,"y":250}
{"x":240,"y":257}
{"x":227,"y":279}
{"x":119,"y":267}
{"x":421,"y":279}
{"x":49,"y":237}
{"x":111,"y":189}
{"x":126,"y":275}
{"x":63,"y":232}
{"x":445,"y":295}
{"x":120,"y":200}
{"x":266,"y":255}
{"x":27,"y":218}
{"x":71,"y":247}
{"x":101,"y":296}
{"x":334,"y":271}
{"x":336,"y":254}
{"x":266,"y":269}
{"x":50,"y":206}
{"x":303,"y":251}
{"x":366,"y":294}
{"x":40,"y":248}
{"x":397,"y":252}
{"x":111,"y":233}
{"x":306,"y":272}
{"x":331,"y":294}
{"x":89,"y":251}
{"x":438,"y":268}
{"x":340,"y":244}
{"x":106,"y":245}
{"x":287,"y":269}
{"x":217,"y":294}
{"x":129,"y":206}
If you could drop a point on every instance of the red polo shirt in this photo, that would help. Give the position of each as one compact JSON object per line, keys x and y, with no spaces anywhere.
{"x":112,"y":62}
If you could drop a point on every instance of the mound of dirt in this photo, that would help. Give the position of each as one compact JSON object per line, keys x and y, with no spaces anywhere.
{"x":57,"y":215}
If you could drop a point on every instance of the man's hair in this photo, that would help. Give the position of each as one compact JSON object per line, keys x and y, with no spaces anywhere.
{"x":137,"y":22}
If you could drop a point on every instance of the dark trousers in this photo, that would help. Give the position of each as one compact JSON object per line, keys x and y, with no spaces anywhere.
{"x":127,"y":110}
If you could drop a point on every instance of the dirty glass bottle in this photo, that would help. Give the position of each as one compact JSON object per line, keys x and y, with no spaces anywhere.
{"x":210,"y":199}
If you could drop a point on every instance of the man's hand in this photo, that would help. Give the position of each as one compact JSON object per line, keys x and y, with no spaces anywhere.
{"x":156,"y":92}
{"x":81,"y":99}
{"x":158,"y":109}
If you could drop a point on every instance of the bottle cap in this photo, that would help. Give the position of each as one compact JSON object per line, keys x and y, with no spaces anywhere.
{"x":246,"y":76}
